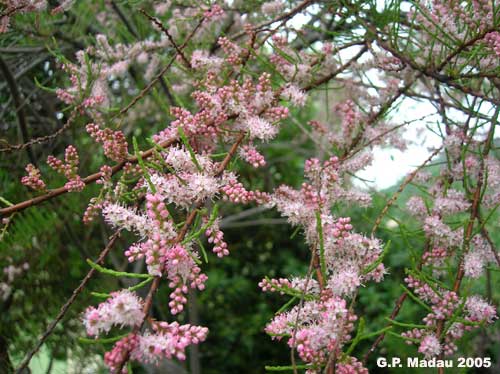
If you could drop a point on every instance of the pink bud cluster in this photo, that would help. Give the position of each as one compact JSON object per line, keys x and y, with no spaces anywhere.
{"x":215,"y":12}
{"x":181,"y":270}
{"x":350,"y":366}
{"x":69,"y":168}
{"x":252,"y":156}
{"x":493,"y":40}
{"x":435,"y":257}
{"x":106,"y":174}
{"x":341,"y":227}
{"x":350,"y":117}
{"x":216,"y":236}
{"x":168,"y":340}
{"x":275,"y":285}
{"x":33,"y":179}
{"x":121,"y":349}
{"x":114,"y":142}
{"x":92,"y":211}
{"x":235,"y":192}
{"x":232,"y":51}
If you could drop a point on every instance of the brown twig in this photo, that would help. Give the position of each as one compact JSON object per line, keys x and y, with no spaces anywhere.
{"x":487,"y":237}
{"x":42,"y":139}
{"x":336,"y":72}
{"x":87,"y":180}
{"x":284,"y":17}
{"x":21,"y":116}
{"x":158,"y":76}
{"x":178,"y":49}
{"x":403,"y":185}
{"x":67,"y":305}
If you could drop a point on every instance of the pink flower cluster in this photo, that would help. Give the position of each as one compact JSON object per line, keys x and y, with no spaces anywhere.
{"x":430,"y":346}
{"x":441,"y":233}
{"x":252,"y":105}
{"x":479,"y":255}
{"x":346,"y":253}
{"x":444,"y":304}
{"x":478,"y":310}
{"x":216,"y":237}
{"x":275,"y":285}
{"x":167,"y":340}
{"x":114,"y":142}
{"x":162,"y":256}
{"x":33,"y":179}
{"x":69,"y":168}
{"x":324,"y":323}
{"x":123,"y":308}
{"x":252,"y":156}
{"x":295,"y":95}
{"x":315,"y":329}
{"x":235,"y":192}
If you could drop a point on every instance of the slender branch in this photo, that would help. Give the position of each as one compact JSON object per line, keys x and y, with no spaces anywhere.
{"x":284,"y":17}
{"x":124,"y":19}
{"x":403,"y":185}
{"x":336,"y":72}
{"x":87,"y":180}
{"x":178,"y":49}
{"x":67,"y":305}
{"x":487,"y":237}
{"x":158,"y":76}
{"x":21,"y":116}
{"x":42,"y":139}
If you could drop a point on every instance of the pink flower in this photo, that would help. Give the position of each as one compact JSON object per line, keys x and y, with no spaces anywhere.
{"x":479,"y":310}
{"x":123,"y":308}
{"x":260,"y":129}
{"x":168,"y":341}
{"x":344,"y":282}
{"x":296,"y":96}
{"x":430,"y":346}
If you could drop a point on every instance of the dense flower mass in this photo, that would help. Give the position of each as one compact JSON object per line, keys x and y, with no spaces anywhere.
{"x":190,"y":111}
{"x":123,"y":308}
